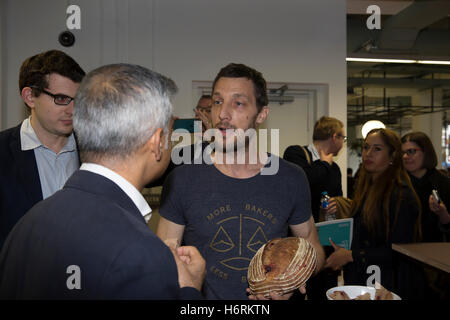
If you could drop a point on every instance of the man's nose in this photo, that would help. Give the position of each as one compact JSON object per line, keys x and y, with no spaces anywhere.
{"x":69,"y":108}
{"x":224,"y":112}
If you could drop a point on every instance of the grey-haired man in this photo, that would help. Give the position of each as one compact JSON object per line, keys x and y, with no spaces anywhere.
{"x":90,"y":240}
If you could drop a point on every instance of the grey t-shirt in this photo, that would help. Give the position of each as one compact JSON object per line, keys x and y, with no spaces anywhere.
{"x":229,"y":219}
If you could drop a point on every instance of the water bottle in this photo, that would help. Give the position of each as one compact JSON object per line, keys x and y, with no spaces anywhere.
{"x":324,"y":201}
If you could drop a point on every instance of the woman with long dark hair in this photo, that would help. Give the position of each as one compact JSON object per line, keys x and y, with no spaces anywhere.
{"x":385,"y":209}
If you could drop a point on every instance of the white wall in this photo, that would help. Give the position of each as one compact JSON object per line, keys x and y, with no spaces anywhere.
{"x":288,"y":41}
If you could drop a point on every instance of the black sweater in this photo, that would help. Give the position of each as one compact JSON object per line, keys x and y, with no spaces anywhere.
{"x":321,"y":176}
{"x":432,"y":229}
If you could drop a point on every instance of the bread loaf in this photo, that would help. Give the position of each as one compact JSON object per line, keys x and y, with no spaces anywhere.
{"x":281,"y":265}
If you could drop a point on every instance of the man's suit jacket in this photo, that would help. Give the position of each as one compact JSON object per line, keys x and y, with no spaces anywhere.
{"x":92,"y":226}
{"x":20,"y":186}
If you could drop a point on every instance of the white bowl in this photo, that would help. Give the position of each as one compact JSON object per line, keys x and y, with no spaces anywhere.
{"x":354,"y":291}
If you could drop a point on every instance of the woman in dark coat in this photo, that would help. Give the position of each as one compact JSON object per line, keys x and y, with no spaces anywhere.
{"x":385,"y":210}
{"x":420,"y":161}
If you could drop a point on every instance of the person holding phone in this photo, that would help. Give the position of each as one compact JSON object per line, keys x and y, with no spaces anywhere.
{"x":420,"y":161}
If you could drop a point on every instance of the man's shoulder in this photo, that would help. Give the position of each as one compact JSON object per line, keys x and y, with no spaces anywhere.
{"x":188,"y":170}
{"x":297,"y":150}
{"x":9,"y":146}
{"x":8,"y":134}
{"x":290,"y":169}
{"x":300,"y":155}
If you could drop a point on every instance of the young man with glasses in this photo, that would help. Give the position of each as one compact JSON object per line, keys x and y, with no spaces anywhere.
{"x":323,"y":174}
{"x":40,"y":154}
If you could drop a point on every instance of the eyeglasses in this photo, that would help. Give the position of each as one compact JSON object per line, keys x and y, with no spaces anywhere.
{"x":206,"y":109}
{"x":59,"y":99}
{"x":343,"y":137}
{"x":410,"y":152}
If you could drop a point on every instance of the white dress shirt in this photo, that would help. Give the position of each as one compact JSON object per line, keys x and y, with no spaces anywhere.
{"x":54,"y":169}
{"x":123,"y":184}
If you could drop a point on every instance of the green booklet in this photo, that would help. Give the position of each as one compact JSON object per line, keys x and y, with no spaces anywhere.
{"x":340,"y":231}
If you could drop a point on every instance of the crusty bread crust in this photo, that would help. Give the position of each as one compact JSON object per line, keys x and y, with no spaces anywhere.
{"x":281,"y":266}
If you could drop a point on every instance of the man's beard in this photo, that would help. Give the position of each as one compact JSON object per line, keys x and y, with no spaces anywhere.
{"x":236,"y":140}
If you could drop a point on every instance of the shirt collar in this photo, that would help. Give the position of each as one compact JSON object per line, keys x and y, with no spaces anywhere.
{"x":29,"y":140}
{"x":314,"y":152}
{"x":126,"y":186}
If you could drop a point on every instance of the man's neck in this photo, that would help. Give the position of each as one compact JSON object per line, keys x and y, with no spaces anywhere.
{"x":52,"y":141}
{"x":131,"y":173}
{"x":236,"y":168}
{"x":322,"y":146}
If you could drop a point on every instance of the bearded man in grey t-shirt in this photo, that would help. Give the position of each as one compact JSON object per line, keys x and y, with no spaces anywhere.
{"x":237,"y":199}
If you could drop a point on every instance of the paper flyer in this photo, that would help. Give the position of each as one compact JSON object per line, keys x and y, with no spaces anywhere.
{"x":340,"y":231}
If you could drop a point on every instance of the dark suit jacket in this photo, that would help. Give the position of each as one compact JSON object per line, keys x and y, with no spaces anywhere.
{"x":93,"y":225}
{"x":20,"y":187}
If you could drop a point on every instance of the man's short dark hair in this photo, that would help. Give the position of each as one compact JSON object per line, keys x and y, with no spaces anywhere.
{"x":236,"y":70}
{"x":35,"y":70}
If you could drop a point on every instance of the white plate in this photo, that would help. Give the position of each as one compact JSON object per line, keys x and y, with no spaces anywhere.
{"x":354,"y":291}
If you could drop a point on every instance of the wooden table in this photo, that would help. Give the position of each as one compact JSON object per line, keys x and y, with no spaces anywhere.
{"x":436,"y":254}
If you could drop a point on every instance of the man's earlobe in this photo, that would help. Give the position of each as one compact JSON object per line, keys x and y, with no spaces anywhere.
{"x":28,"y":97}
{"x":156,"y":143}
{"x":262,"y":115}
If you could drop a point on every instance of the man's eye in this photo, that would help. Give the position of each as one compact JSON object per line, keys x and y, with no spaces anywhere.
{"x":217,"y":102}
{"x":62,"y":98}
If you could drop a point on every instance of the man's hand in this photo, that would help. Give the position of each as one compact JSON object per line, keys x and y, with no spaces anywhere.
{"x":205,"y":120}
{"x":190,"y":265}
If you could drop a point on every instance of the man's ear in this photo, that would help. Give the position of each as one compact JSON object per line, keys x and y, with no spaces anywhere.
{"x":28,"y":97}
{"x":262,"y":115}
{"x":155,"y":143}
{"x":334,"y":136}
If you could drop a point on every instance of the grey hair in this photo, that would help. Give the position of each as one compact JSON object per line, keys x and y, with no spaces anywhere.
{"x":118,"y":107}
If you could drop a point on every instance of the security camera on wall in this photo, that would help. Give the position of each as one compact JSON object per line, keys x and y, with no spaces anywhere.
{"x":66,"y":38}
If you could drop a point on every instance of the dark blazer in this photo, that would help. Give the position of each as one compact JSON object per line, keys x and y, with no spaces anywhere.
{"x":93,"y":225}
{"x":321,"y":175}
{"x":20,"y":186}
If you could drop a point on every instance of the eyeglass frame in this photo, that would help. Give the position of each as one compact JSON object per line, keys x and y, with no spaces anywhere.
{"x":54,"y":96}
{"x":343,"y":137}
{"x":411,"y":151}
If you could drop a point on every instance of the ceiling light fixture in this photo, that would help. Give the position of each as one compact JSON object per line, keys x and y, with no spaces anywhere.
{"x":433,"y":62}
{"x":370,"y":125}
{"x":381,"y":60}
{"x":397,"y":61}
